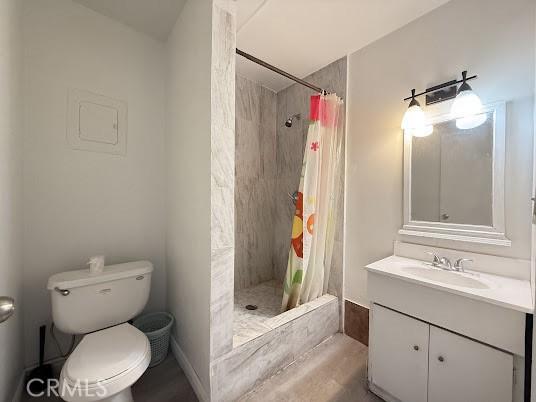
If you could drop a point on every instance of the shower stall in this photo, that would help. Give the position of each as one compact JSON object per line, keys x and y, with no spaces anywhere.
{"x":271,"y":131}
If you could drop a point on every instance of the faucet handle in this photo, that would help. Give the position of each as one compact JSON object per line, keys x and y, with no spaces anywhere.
{"x":445,"y":263}
{"x":458,"y":265}
{"x":436,"y":261}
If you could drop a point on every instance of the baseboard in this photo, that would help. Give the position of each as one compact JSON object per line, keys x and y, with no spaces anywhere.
{"x":189,"y":371}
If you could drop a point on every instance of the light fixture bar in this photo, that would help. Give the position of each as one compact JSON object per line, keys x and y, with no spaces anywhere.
{"x":441,"y":86}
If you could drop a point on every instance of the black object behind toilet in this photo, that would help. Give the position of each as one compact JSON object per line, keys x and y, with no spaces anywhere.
{"x":39,"y":376}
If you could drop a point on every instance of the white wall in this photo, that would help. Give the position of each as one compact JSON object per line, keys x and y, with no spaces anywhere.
{"x":80,"y":203}
{"x":491,"y":38}
{"x":11,"y":353}
{"x":188,"y":145}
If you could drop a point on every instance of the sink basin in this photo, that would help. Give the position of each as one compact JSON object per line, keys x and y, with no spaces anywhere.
{"x":447,"y":277}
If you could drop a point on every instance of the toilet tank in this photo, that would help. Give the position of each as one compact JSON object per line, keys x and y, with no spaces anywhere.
{"x":84,"y":302}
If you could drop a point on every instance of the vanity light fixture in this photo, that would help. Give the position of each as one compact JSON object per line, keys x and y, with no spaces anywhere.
{"x":466,"y":109}
{"x":414,"y":120}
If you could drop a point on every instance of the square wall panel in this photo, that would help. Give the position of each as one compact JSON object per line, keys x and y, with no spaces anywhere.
{"x":96,"y":123}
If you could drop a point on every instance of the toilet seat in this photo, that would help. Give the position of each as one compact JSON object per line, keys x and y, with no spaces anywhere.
{"x":105,"y":363}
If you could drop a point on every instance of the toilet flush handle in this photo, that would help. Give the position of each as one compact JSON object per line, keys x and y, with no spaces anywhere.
{"x":63,"y":292}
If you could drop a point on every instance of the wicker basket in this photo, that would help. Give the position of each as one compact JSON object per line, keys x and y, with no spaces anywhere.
{"x":157,"y":327}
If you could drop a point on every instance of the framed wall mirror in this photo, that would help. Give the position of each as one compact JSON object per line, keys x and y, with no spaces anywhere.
{"x":454,"y":180}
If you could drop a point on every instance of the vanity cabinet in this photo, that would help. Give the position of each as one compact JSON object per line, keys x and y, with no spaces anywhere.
{"x":413,"y":361}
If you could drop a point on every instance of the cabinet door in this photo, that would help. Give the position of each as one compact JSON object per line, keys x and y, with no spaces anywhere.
{"x":399,"y":355}
{"x":464,"y":370}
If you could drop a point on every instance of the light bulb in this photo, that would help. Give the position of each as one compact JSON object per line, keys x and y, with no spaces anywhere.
{"x":467,"y":107}
{"x":466,"y":123}
{"x":467,"y":103}
{"x":413,"y":118}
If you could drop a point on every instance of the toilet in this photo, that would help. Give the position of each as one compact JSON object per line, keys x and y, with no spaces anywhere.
{"x":113,"y":354}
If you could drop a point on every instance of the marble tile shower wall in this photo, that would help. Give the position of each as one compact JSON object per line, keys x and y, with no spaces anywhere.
{"x":268,"y":160}
{"x":255,"y":182}
{"x":289,"y":156}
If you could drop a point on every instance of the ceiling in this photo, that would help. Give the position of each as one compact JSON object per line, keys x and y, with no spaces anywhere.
{"x":302,"y":36}
{"x":299,"y":36}
{"x":142,"y":15}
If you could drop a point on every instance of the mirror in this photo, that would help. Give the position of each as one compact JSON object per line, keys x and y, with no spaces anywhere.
{"x":452,"y":174}
{"x":454,"y":180}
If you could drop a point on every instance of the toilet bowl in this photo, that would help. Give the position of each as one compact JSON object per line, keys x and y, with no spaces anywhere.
{"x":113,"y":354}
{"x":105,"y":364}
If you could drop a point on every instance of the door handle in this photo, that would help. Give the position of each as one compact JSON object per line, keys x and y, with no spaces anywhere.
{"x":7,"y":307}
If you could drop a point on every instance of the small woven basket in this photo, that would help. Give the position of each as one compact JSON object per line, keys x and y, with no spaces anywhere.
{"x":157,"y":327}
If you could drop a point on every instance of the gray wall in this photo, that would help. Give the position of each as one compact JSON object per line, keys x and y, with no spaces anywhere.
{"x":494,"y":39}
{"x":11,"y":332}
{"x":255,"y":180}
{"x":290,"y":148}
{"x":188,"y":182}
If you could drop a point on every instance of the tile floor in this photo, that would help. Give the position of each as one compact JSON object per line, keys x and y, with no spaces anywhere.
{"x":249,"y":324}
{"x":267,"y":296}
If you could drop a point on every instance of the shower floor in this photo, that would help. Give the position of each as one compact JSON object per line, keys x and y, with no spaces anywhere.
{"x":267,"y":296}
{"x":249,"y":324}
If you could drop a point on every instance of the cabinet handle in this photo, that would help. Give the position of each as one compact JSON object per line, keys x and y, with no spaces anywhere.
{"x":441,"y":359}
{"x":415,"y":347}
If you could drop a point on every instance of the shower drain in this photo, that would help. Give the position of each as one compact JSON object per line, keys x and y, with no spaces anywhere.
{"x":251,"y":307}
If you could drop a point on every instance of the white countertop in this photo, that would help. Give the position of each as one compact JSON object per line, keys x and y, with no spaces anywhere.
{"x":506,"y":292}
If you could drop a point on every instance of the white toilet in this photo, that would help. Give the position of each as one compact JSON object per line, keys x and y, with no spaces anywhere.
{"x":113,"y":354}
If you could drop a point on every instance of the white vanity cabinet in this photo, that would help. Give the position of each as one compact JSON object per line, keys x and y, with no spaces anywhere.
{"x":413,"y":361}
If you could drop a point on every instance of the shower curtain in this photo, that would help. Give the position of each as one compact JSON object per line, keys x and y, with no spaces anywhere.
{"x":313,"y":227}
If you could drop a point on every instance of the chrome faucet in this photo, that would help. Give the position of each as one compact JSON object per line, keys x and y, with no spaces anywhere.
{"x":458,"y":265}
{"x":440,"y":262}
{"x":444,"y":263}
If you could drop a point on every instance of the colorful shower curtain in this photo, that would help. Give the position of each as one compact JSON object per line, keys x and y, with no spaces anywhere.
{"x":313,"y":227}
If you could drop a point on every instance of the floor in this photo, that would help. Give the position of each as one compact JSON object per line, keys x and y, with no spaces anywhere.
{"x":334,"y":371}
{"x":249,"y":324}
{"x":163,"y":383}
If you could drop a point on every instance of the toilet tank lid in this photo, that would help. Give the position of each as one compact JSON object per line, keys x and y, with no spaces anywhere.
{"x":82,"y":277}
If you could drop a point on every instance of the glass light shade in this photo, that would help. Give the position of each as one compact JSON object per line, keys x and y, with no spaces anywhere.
{"x":467,"y":103}
{"x":466,"y":123}
{"x":423,"y":131}
{"x":413,"y":118}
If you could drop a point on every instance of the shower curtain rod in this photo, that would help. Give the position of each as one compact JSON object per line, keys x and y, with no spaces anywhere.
{"x":279,"y":71}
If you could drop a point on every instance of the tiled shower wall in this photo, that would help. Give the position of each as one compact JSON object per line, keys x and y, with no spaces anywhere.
{"x":290,"y":148}
{"x":255,"y":180}
{"x":268,"y":160}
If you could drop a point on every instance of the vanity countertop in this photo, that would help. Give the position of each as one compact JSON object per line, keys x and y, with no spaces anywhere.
{"x":502,"y":291}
